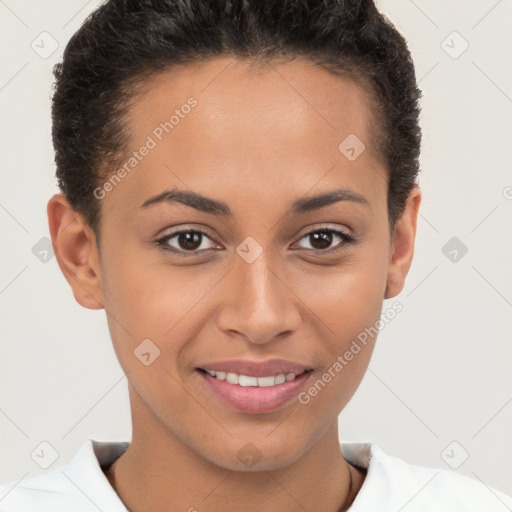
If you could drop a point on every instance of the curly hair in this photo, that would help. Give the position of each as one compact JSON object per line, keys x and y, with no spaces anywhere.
{"x":124,"y":42}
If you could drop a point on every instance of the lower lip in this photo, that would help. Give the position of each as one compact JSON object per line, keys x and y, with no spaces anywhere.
{"x":253,"y":399}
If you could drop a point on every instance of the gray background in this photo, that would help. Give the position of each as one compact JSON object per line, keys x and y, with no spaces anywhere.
{"x":441,"y":369}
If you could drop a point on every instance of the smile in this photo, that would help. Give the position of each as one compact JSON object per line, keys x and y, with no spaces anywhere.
{"x":249,"y":381}
{"x":253,"y":395}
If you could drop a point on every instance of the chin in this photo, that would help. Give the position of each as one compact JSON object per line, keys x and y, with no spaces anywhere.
{"x":264,"y":454}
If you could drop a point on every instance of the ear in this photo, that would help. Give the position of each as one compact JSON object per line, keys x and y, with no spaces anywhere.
{"x":402,"y":247}
{"x":74,"y":245}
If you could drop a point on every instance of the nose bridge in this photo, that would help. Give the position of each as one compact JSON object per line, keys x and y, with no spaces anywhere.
{"x":259,"y":287}
{"x":259,"y":304}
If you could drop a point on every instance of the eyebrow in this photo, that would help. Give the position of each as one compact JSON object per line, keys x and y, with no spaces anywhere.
{"x":208,"y":205}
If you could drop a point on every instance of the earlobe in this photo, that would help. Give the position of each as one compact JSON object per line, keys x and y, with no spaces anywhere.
{"x":402,"y":249}
{"x":76,"y":251}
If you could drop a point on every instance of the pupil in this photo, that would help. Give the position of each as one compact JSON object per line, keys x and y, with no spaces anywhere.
{"x":189,"y":240}
{"x":324,"y":237}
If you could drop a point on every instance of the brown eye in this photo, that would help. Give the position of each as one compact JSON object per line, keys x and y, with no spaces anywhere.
{"x":321,"y":240}
{"x":189,"y":240}
{"x":186,"y":240}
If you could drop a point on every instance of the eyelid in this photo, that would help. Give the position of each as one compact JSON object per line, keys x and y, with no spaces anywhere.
{"x":162,"y":240}
{"x":315,"y":228}
{"x":185,"y":228}
{"x":347,"y":239}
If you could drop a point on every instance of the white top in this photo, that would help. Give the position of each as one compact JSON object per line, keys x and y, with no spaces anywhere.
{"x":391,"y":484}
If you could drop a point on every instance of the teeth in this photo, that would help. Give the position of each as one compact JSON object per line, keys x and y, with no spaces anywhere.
{"x":248,"y":381}
{"x":281,"y":378}
{"x":232,"y":378}
{"x":266,"y":381}
{"x":245,"y":381}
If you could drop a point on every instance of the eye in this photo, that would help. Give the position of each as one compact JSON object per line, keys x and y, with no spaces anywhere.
{"x":191,"y":241}
{"x":321,"y":239}
{"x":186,"y":241}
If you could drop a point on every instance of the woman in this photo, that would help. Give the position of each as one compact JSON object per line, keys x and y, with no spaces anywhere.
{"x":239,"y":193}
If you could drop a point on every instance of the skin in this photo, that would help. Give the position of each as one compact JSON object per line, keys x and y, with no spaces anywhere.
{"x":259,"y":139}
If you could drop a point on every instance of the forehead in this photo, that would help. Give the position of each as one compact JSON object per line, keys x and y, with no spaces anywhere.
{"x":247,"y":126}
{"x":291,"y":98}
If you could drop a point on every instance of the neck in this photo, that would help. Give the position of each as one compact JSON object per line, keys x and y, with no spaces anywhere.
{"x":158,"y":469}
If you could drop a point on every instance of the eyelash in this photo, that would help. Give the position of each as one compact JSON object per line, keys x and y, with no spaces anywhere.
{"x":346,"y":238}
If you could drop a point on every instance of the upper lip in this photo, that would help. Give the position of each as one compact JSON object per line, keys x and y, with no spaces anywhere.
{"x":256,"y":368}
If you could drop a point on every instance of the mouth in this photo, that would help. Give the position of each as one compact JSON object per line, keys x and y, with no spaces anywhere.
{"x":253,"y":394}
{"x":253,"y":381}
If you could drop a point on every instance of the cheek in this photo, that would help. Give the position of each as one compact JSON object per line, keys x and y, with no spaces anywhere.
{"x":350,"y":307}
{"x":356,"y":307}
{"x":348,"y":299}
{"x":348,"y":303}
{"x":157,"y":302}
{"x":148,"y":294}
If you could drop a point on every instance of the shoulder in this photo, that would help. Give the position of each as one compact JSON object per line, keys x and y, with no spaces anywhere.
{"x":398,"y":484}
{"x":50,"y":491}
{"x":79,"y":485}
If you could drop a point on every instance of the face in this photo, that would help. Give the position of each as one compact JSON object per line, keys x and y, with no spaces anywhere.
{"x":265,"y":275}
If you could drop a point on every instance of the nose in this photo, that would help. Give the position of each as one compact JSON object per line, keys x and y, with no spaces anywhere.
{"x":260,"y":304}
